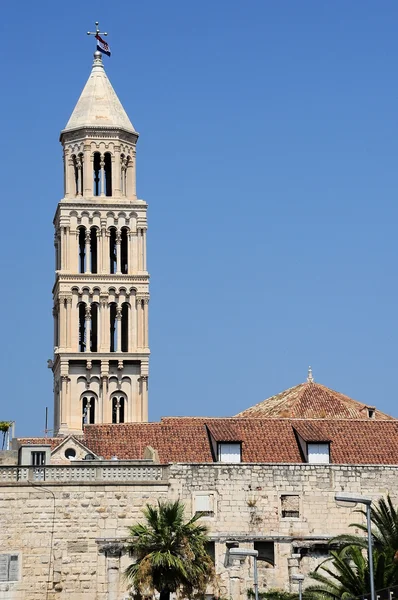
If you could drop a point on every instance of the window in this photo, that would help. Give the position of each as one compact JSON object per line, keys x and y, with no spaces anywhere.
{"x":318,"y":453}
{"x":266,"y":552}
{"x":9,"y":567}
{"x":211,"y":551}
{"x":88,"y":410}
{"x":118,"y":409}
{"x":290,"y":507}
{"x":229,"y":452}
{"x":38,"y":459}
{"x":204,"y":503}
{"x":70,"y":453}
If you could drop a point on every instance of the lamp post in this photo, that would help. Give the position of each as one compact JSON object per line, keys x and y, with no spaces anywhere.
{"x":300,"y":579}
{"x":367,"y":501}
{"x":236,"y":552}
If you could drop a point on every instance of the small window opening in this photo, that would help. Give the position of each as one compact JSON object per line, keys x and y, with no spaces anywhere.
{"x":266,"y":552}
{"x":290,"y":505}
{"x":70,"y":453}
{"x":75,"y":174}
{"x":210,"y":548}
{"x":112,"y":250}
{"x":80,"y":173}
{"x":122,"y":174}
{"x":118,"y":409}
{"x":82,"y":249}
{"x":108,"y":174}
{"x":371,"y":412}
{"x":88,"y":416}
{"x":124,"y":251}
{"x":94,"y":327}
{"x":93,"y":249}
{"x":113,"y":332}
{"x":38,"y":459}
{"x":97,"y":173}
{"x":82,"y":326}
{"x":125,"y":327}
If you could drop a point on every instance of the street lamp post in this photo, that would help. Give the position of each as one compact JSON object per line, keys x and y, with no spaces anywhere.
{"x":242,"y":553}
{"x":367,"y":502}
{"x":300,"y":579}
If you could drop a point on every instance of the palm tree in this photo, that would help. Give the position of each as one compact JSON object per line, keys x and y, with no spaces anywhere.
{"x":170,"y":553}
{"x":348,"y":575}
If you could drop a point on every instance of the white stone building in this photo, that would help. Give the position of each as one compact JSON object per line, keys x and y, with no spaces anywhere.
{"x":265,"y":478}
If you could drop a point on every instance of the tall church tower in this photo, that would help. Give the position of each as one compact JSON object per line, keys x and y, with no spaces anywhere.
{"x":101,"y":286}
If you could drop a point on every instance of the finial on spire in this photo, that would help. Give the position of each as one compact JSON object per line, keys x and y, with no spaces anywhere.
{"x":102,"y":46}
{"x":310,"y":378}
{"x":97,"y":31}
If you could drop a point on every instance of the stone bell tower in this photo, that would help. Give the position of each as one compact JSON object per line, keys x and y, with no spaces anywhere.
{"x":101,"y":286}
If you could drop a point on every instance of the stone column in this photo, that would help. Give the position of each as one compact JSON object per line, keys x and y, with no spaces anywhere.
{"x":87,"y":241}
{"x":118,"y":329}
{"x":144,"y":250}
{"x":145,"y":341}
{"x":116,"y":179}
{"x":67,"y":250}
{"x":62,"y":321}
{"x":113,"y":552}
{"x":70,"y":178}
{"x":88,"y":328}
{"x":118,"y":252}
{"x":87,"y":171}
{"x":56,"y":327}
{"x":139,"y":322}
{"x":133,"y":325}
{"x":104,"y":248}
{"x":79,"y":166}
{"x":99,"y":250}
{"x":144,"y":398}
{"x":68,"y":322}
{"x":64,"y":400}
{"x":102,"y":166}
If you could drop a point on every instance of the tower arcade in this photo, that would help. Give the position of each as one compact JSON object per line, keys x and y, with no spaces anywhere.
{"x":101,"y":290}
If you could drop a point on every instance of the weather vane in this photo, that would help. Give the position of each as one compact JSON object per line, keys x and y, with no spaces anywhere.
{"x":102,"y":46}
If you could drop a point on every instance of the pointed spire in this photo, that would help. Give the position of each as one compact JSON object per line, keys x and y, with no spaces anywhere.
{"x":310,"y":378}
{"x":98,"y":105}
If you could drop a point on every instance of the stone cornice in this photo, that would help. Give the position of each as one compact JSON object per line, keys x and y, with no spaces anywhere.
{"x":94,"y":277}
{"x":98,"y":133}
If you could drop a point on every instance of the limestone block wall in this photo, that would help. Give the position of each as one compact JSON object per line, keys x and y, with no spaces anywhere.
{"x":69,"y":535}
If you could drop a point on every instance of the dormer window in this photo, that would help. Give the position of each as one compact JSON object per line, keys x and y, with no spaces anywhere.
{"x":371,"y":412}
{"x":229,"y":452}
{"x":318,"y":453}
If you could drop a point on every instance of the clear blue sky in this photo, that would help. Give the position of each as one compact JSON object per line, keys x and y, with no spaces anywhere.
{"x":268,"y":156}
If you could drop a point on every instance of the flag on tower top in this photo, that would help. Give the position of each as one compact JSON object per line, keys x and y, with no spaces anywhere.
{"x":102,"y":46}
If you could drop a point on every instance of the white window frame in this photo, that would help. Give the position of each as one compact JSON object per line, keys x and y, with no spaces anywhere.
{"x":318,"y":453}
{"x":229,"y":452}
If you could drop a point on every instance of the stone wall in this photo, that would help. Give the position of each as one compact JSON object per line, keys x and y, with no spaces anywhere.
{"x":68,"y":535}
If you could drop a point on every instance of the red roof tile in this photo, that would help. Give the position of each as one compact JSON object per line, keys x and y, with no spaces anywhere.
{"x":311,"y":401}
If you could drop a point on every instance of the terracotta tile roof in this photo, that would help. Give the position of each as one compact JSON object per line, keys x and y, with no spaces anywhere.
{"x":311,"y":401}
{"x":310,"y":432}
{"x":53,"y":441}
{"x":263,"y":440}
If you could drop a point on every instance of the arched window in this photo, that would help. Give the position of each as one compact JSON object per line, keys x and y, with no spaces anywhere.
{"x":94,"y":327}
{"x":112,"y":250}
{"x":108,"y":173}
{"x":125,"y":327}
{"x":82,"y":326}
{"x":124,"y":250}
{"x":123,"y":174}
{"x":118,"y":409}
{"x":97,"y":174}
{"x":77,"y":162}
{"x":82,"y":249}
{"x":93,"y":249}
{"x":88,"y":409}
{"x":113,"y":330}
